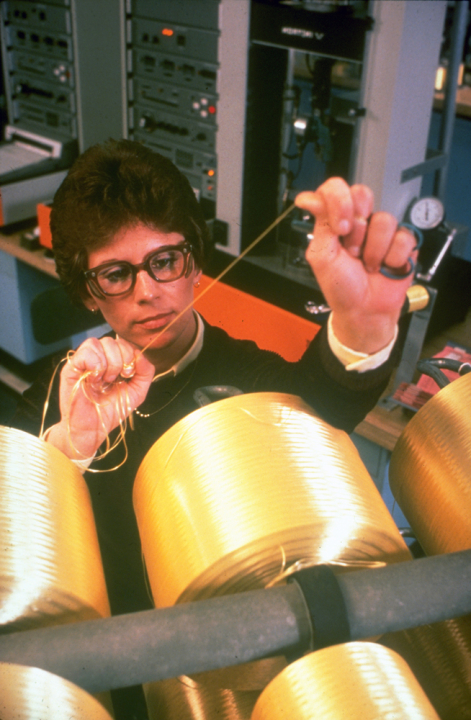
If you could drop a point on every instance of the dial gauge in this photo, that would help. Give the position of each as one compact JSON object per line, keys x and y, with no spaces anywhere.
{"x":427,"y":213}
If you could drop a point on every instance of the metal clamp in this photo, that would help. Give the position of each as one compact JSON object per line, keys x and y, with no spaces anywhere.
{"x":428,"y":276}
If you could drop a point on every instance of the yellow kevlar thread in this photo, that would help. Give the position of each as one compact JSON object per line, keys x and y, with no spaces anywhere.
{"x":246,"y":490}
{"x":358,"y":681}
{"x":50,"y":563}
{"x":431,"y":481}
{"x":186,"y":699}
{"x":28,"y":693}
{"x":124,"y":412}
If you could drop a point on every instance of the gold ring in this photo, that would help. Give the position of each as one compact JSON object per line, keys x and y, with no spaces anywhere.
{"x":129,"y":369}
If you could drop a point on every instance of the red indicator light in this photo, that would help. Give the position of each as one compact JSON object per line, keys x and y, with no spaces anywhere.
{"x":211,"y":109}
{"x":167,"y":31}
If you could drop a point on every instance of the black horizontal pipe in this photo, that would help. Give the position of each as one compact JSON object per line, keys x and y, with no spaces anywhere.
{"x":151,"y":645}
{"x":406,"y":595}
{"x":126,"y":650}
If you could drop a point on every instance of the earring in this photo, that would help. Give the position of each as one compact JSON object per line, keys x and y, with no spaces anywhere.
{"x":95,"y":311}
{"x":197,"y":284}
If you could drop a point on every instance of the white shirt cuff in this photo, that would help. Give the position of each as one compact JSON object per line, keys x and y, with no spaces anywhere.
{"x":358,"y":361}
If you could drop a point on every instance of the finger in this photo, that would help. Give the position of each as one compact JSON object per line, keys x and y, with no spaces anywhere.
{"x":129,"y":354}
{"x":353,"y":242}
{"x":101,"y":360}
{"x":331,"y":204}
{"x":310,"y":201}
{"x":362,"y":198}
{"x":332,"y":207}
{"x":114,"y":360}
{"x":403,"y":247}
{"x":88,"y":358}
{"x":145,"y":371}
{"x":136,"y":367}
{"x":379,"y":238}
{"x":339,"y":204}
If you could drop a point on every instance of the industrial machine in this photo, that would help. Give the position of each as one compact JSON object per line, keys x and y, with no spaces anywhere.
{"x":63,"y":91}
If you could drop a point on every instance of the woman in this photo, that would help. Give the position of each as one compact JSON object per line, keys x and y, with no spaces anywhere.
{"x":130,"y":241}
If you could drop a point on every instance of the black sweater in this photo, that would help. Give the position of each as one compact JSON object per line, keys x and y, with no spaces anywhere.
{"x":341,"y":398}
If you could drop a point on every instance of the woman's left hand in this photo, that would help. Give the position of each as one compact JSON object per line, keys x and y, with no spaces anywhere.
{"x":348,"y":248}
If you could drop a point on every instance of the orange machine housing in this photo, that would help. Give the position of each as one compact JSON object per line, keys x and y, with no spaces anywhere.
{"x":44,"y":212}
{"x":246,"y":317}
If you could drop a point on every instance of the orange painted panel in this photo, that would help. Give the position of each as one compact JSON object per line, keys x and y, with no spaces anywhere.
{"x":44,"y":212}
{"x":246,"y":317}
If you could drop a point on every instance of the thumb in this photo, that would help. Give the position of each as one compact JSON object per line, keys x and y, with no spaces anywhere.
{"x":144,"y":371}
{"x":333,"y":209}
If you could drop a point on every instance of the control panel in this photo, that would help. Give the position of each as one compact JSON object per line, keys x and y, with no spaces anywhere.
{"x":173,"y":98}
{"x":60,"y":60}
{"x":38,"y":53}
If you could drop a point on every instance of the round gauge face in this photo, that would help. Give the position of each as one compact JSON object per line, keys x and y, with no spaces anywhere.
{"x":427,"y":213}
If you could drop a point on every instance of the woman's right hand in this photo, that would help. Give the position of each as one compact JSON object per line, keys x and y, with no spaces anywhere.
{"x":116,"y":379}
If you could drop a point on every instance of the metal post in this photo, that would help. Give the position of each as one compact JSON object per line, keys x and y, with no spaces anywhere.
{"x":458,"y":34}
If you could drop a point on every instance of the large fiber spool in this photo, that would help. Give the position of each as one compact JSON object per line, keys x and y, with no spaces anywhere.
{"x":358,"y":681}
{"x":236,"y":493}
{"x":50,"y":564}
{"x":430,"y":472}
{"x":28,"y":693}
{"x":240,"y":493}
{"x":186,"y":699}
{"x":430,"y":477}
{"x":439,"y":655}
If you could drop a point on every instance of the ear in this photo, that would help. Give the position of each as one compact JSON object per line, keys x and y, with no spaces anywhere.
{"x":90,"y":303}
{"x":197,"y":273}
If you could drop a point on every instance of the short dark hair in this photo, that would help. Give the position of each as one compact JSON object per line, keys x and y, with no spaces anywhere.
{"x":114,"y":185}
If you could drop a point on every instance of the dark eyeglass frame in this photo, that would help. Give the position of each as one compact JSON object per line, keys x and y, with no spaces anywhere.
{"x":91,"y":275}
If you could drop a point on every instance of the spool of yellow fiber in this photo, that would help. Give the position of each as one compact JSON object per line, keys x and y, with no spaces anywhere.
{"x":430,"y":472}
{"x":50,"y":561}
{"x":28,"y":693}
{"x":439,"y":655}
{"x":431,"y":480}
{"x":186,"y":699}
{"x":240,"y":492}
{"x":358,"y":681}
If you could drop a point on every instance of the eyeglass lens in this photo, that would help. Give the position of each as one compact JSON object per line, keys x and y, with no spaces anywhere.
{"x":163,"y":266}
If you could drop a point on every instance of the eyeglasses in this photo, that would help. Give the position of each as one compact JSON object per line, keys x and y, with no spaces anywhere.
{"x":117,"y":278}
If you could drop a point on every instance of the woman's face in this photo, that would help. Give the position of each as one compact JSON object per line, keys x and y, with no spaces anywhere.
{"x":145,"y":312}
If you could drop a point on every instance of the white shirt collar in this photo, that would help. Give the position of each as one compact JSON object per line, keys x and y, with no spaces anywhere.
{"x":190,"y":355}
